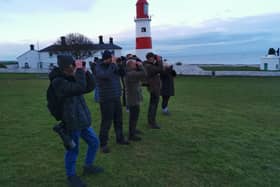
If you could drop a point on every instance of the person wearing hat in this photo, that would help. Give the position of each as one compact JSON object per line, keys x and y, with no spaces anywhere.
{"x":153,"y":66}
{"x":70,"y":81}
{"x":108,"y":75}
{"x":135,"y":73}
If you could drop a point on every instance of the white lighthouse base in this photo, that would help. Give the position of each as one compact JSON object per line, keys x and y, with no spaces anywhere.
{"x":141,"y":53}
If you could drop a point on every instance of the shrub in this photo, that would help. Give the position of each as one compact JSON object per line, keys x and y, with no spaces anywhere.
{"x":179,"y":63}
{"x":3,"y":66}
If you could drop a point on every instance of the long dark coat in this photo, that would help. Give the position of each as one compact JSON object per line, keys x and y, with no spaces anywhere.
{"x":167,"y":82}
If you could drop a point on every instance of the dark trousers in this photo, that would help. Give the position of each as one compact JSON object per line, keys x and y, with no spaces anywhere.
{"x":165,"y":100}
{"x":111,"y":110}
{"x":152,"y":112}
{"x":133,"y":118}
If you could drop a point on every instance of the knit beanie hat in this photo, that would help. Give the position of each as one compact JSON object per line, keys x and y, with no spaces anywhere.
{"x":64,"y":61}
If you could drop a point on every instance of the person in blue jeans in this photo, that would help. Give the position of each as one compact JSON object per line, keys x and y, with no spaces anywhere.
{"x":70,"y":81}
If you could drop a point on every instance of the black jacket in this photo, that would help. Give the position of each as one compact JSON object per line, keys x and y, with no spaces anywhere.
{"x":108,"y":80}
{"x":76,"y":114}
{"x":167,"y":82}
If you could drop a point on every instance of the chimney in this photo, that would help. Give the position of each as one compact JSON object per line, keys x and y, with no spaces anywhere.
{"x":110,"y":40}
{"x":101,"y":39}
{"x":32,"y":47}
{"x":63,"y":40}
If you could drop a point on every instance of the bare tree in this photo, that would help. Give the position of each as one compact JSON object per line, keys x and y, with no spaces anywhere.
{"x":78,"y":45}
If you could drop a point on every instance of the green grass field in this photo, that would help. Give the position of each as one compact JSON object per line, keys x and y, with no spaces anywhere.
{"x":222,"y":132}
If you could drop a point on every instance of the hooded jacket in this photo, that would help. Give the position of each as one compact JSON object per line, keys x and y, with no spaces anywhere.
{"x":70,"y":89}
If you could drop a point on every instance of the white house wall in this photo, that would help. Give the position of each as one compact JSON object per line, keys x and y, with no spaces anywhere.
{"x":273,"y":63}
{"x":31,"y":57}
{"x":118,"y":52}
{"x":46,"y":59}
{"x":34,"y":58}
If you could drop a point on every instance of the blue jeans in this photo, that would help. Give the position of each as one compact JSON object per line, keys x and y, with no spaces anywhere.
{"x":89,"y":136}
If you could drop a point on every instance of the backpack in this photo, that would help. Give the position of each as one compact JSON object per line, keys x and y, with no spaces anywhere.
{"x":54,"y":103}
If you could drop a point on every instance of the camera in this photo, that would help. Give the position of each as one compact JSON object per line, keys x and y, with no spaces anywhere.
{"x":66,"y":139}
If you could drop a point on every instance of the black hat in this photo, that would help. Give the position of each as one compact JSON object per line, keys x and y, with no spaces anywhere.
{"x":149,"y":55}
{"x":64,"y":61}
{"x":106,"y":54}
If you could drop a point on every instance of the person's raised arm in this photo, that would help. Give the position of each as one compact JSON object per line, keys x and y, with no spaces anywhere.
{"x":65,"y":88}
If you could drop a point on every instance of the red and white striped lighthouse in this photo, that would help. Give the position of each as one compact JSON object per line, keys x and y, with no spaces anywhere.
{"x":143,"y":29}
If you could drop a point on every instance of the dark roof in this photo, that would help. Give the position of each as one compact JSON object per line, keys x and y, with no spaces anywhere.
{"x":56,"y":47}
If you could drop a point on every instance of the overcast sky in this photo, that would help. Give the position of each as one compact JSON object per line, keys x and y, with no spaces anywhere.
{"x":30,"y":21}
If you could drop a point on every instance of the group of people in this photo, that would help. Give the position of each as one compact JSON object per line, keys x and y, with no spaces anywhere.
{"x":111,"y":79}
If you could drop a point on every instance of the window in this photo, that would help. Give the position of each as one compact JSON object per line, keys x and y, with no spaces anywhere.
{"x":146,"y":9}
{"x":143,"y":29}
{"x":50,"y":54}
{"x":26,"y":65}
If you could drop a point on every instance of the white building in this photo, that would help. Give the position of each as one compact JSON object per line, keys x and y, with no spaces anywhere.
{"x":47,"y":57}
{"x":29,"y":59}
{"x":270,"y":63}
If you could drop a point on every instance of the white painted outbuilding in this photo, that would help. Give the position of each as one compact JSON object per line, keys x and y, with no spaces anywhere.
{"x":270,"y":63}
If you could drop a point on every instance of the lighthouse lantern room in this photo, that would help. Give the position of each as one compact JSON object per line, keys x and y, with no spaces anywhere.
{"x":143,"y":29}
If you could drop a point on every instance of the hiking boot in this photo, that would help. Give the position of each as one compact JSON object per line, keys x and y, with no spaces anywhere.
{"x":75,"y":181}
{"x":154,"y":126}
{"x":89,"y":170}
{"x":135,"y":138}
{"x":123,"y":142}
{"x":105,"y":149}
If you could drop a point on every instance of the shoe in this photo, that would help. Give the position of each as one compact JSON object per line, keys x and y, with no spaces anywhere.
{"x":138,"y":131}
{"x":123,"y":142}
{"x":154,"y":126}
{"x":105,"y":149}
{"x":75,"y":181}
{"x":135,"y":138}
{"x":88,"y":170}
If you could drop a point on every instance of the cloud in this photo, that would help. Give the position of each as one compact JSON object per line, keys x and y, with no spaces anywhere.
{"x":255,"y":33}
{"x":37,"y":6}
{"x":252,"y":24}
{"x":245,"y":25}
